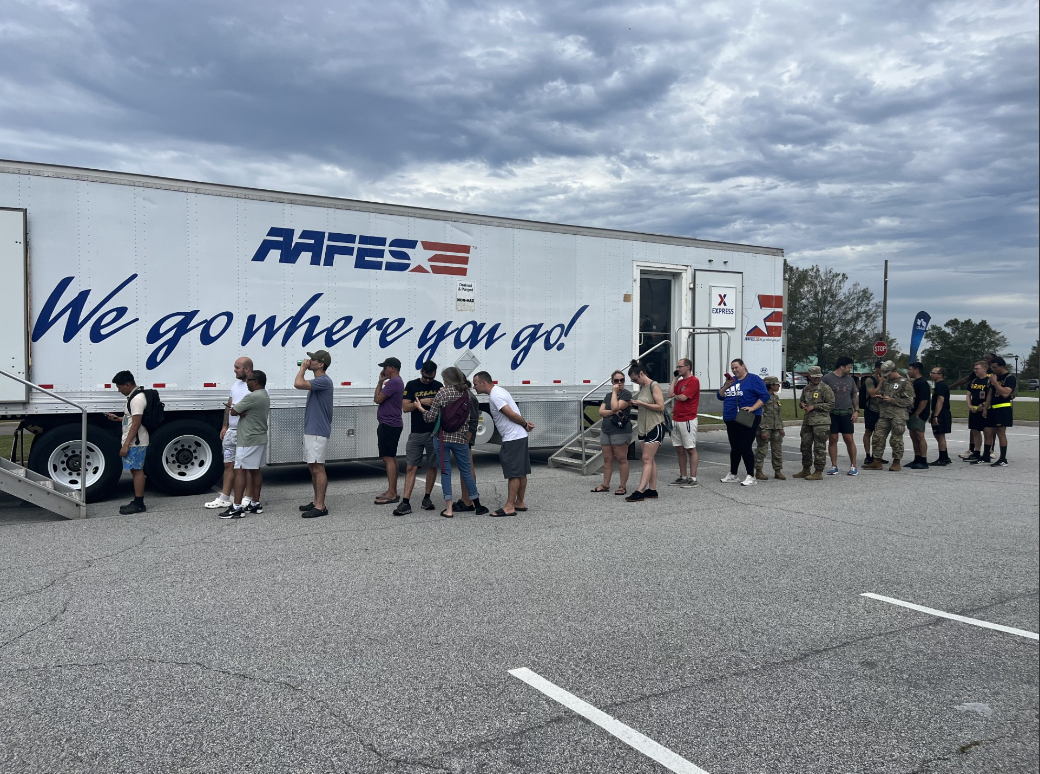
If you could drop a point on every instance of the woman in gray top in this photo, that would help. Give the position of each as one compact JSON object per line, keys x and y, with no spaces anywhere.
{"x":615,"y":433}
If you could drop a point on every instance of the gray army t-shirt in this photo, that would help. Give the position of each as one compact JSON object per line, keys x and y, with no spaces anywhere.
{"x":608,"y":427}
{"x":317,"y":416}
{"x":844,"y":391}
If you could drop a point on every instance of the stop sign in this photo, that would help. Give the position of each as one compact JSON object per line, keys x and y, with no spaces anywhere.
{"x":880,"y":349}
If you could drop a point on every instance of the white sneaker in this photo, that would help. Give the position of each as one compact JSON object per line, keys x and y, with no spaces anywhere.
{"x":729,"y":479}
{"x":218,"y":503}
{"x":749,"y":481}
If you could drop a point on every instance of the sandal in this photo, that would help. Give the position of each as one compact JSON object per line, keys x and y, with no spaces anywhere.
{"x":601,"y":488}
{"x":447,"y":515}
{"x":621,"y":491}
{"x":386,"y":500}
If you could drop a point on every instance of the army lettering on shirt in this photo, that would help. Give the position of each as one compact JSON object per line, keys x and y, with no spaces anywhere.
{"x":977,"y":389}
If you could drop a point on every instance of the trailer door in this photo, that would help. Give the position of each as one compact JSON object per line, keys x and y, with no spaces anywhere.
{"x":659,"y":312}
{"x":14,"y":305}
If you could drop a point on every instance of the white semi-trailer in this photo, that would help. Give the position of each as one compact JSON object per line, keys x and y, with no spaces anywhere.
{"x":173,"y":280}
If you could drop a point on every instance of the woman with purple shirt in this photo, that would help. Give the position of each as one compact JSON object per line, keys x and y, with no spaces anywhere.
{"x":742,"y":392}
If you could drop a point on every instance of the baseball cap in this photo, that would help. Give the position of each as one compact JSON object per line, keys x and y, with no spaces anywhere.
{"x":771,"y":380}
{"x":391,"y":362}
{"x":322,"y":356}
{"x":815,"y":371}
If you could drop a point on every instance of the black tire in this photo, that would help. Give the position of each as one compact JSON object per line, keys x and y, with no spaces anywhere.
{"x":184,"y":457}
{"x":54,"y":454}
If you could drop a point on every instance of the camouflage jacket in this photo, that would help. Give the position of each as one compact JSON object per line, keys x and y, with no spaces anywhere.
{"x":902,"y":393}
{"x":771,"y":419}
{"x":821,"y":397}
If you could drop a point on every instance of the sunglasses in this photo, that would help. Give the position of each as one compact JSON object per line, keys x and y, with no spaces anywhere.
{"x":618,"y":381}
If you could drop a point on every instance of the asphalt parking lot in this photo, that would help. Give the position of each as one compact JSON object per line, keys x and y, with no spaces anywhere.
{"x":725,"y":625}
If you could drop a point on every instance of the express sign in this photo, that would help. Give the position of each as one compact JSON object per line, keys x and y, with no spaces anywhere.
{"x":880,"y":349}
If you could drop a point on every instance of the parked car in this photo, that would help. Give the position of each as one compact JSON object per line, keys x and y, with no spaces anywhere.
{"x":1033,"y":384}
{"x":798,"y":380}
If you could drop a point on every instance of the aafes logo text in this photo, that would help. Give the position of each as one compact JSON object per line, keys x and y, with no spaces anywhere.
{"x":375,"y":253}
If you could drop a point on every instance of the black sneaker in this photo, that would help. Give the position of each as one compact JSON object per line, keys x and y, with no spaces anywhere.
{"x":314,"y":513}
{"x":971,"y":457}
{"x":403,"y":509}
{"x":461,"y":507}
{"x":650,"y":494}
{"x":635,"y":497}
{"x":982,"y":461}
{"x":233,"y":513}
{"x":427,"y":504}
{"x":999,"y":464}
{"x":868,"y":459}
{"x":482,"y":510}
{"x":131,"y":507}
{"x":307,"y":507}
{"x":254,"y":508}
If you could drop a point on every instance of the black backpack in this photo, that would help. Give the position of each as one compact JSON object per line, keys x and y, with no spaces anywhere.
{"x":154,"y":409}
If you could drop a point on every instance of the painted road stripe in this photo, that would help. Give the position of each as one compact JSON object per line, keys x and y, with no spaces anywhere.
{"x":954,"y":617}
{"x":629,"y":736}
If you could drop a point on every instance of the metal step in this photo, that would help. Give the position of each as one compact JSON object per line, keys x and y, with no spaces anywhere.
{"x":570,"y":454}
{"x":41,"y":490}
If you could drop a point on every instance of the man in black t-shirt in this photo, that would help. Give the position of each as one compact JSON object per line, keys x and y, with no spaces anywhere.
{"x":417,"y":397}
{"x":999,"y":416}
{"x":918,"y":420}
{"x":976,"y":396}
{"x":942,"y":418}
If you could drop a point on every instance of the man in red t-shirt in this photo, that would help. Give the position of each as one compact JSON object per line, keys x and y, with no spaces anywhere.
{"x":686,"y":389}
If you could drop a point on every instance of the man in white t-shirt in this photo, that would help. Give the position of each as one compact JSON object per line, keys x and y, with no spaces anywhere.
{"x":229,"y":432}
{"x":134,"y":437}
{"x":514,"y":429}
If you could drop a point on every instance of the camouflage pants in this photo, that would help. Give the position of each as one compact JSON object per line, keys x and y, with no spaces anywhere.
{"x":886,"y":425}
{"x":776,"y":442}
{"x":814,"y":446}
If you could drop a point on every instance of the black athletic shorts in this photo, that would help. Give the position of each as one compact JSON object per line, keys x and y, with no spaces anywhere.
{"x":1000,"y":417}
{"x":976,"y":421}
{"x":656,"y":435}
{"x":387,"y":438}
{"x":870,"y":419}
{"x":842,"y":424}
{"x":943,"y":425}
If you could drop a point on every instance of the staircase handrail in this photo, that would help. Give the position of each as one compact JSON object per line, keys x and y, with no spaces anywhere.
{"x":83,"y":437}
{"x":581,"y":402}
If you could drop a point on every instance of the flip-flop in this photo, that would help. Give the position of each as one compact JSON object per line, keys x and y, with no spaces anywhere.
{"x":381,"y":501}
{"x":447,"y":515}
{"x":501,"y":512}
{"x":521,"y":510}
{"x":599,"y":489}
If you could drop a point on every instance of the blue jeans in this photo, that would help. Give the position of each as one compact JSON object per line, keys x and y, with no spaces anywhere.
{"x":462,"y":458}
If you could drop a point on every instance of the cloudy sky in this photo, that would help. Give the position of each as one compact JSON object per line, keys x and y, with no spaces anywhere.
{"x":844,"y":133}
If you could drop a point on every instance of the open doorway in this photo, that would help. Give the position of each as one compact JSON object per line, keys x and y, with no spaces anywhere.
{"x":660,"y":310}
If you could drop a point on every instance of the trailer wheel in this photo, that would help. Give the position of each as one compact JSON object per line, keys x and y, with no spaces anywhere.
{"x":57,"y":453}
{"x":184,"y":457}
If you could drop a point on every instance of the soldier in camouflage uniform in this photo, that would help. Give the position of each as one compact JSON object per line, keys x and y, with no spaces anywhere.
{"x":817,"y":402}
{"x":896,"y":399}
{"x":771,"y":432}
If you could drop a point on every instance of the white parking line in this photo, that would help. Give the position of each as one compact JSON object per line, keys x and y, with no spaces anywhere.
{"x":954,"y":617}
{"x":629,"y":736}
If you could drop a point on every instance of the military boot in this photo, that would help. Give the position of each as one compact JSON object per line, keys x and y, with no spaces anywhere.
{"x":816,"y":475}
{"x":896,"y":465}
{"x":803,"y":473}
{"x":779,"y":476}
{"x":760,"y":475}
{"x":874,"y":464}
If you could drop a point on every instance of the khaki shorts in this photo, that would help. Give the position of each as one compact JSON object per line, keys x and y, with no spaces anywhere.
{"x":684,"y":434}
{"x":314,"y":447}
{"x":250,"y":457}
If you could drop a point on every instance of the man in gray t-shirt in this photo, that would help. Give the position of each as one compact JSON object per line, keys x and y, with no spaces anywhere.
{"x":844,"y":414}
{"x":317,"y":425}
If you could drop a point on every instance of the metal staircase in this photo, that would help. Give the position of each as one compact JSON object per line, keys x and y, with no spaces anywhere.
{"x":580,"y":453}
{"x":41,"y":490}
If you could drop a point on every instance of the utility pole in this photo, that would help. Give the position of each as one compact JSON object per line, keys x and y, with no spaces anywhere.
{"x":884,"y":308}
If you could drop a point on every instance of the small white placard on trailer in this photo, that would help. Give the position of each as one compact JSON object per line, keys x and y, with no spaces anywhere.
{"x":466,"y":297}
{"x":14,"y":321}
{"x":723,"y":306}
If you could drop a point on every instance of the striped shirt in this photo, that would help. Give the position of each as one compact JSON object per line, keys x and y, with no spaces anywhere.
{"x":445,"y":397}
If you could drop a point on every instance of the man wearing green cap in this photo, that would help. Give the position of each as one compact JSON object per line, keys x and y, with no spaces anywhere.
{"x":817,"y":402}
{"x":771,"y":432}
{"x":896,"y":398}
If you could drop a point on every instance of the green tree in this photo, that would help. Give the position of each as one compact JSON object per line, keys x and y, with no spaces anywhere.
{"x":828,"y":318}
{"x":957,"y":344}
{"x":1029,"y":368}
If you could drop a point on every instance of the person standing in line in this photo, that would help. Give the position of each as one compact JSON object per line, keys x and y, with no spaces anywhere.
{"x":986,"y":359}
{"x":872,"y":384}
{"x":686,"y":390}
{"x":650,"y":429}
{"x":977,"y":397}
{"x":465,"y":502}
{"x":389,"y":396}
{"x":254,"y":411}
{"x":317,"y":426}
{"x":942,"y":418}
{"x":615,"y":433}
{"x":896,"y":399}
{"x":447,"y":406}
{"x":134,"y":438}
{"x":742,"y":393}
{"x":919,"y":415}
{"x":817,"y":402}
{"x":771,"y":433}
{"x":844,"y":414}
{"x":229,"y":433}
{"x":514,"y":431}
{"x":419,"y":452}
{"x":999,"y":412}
